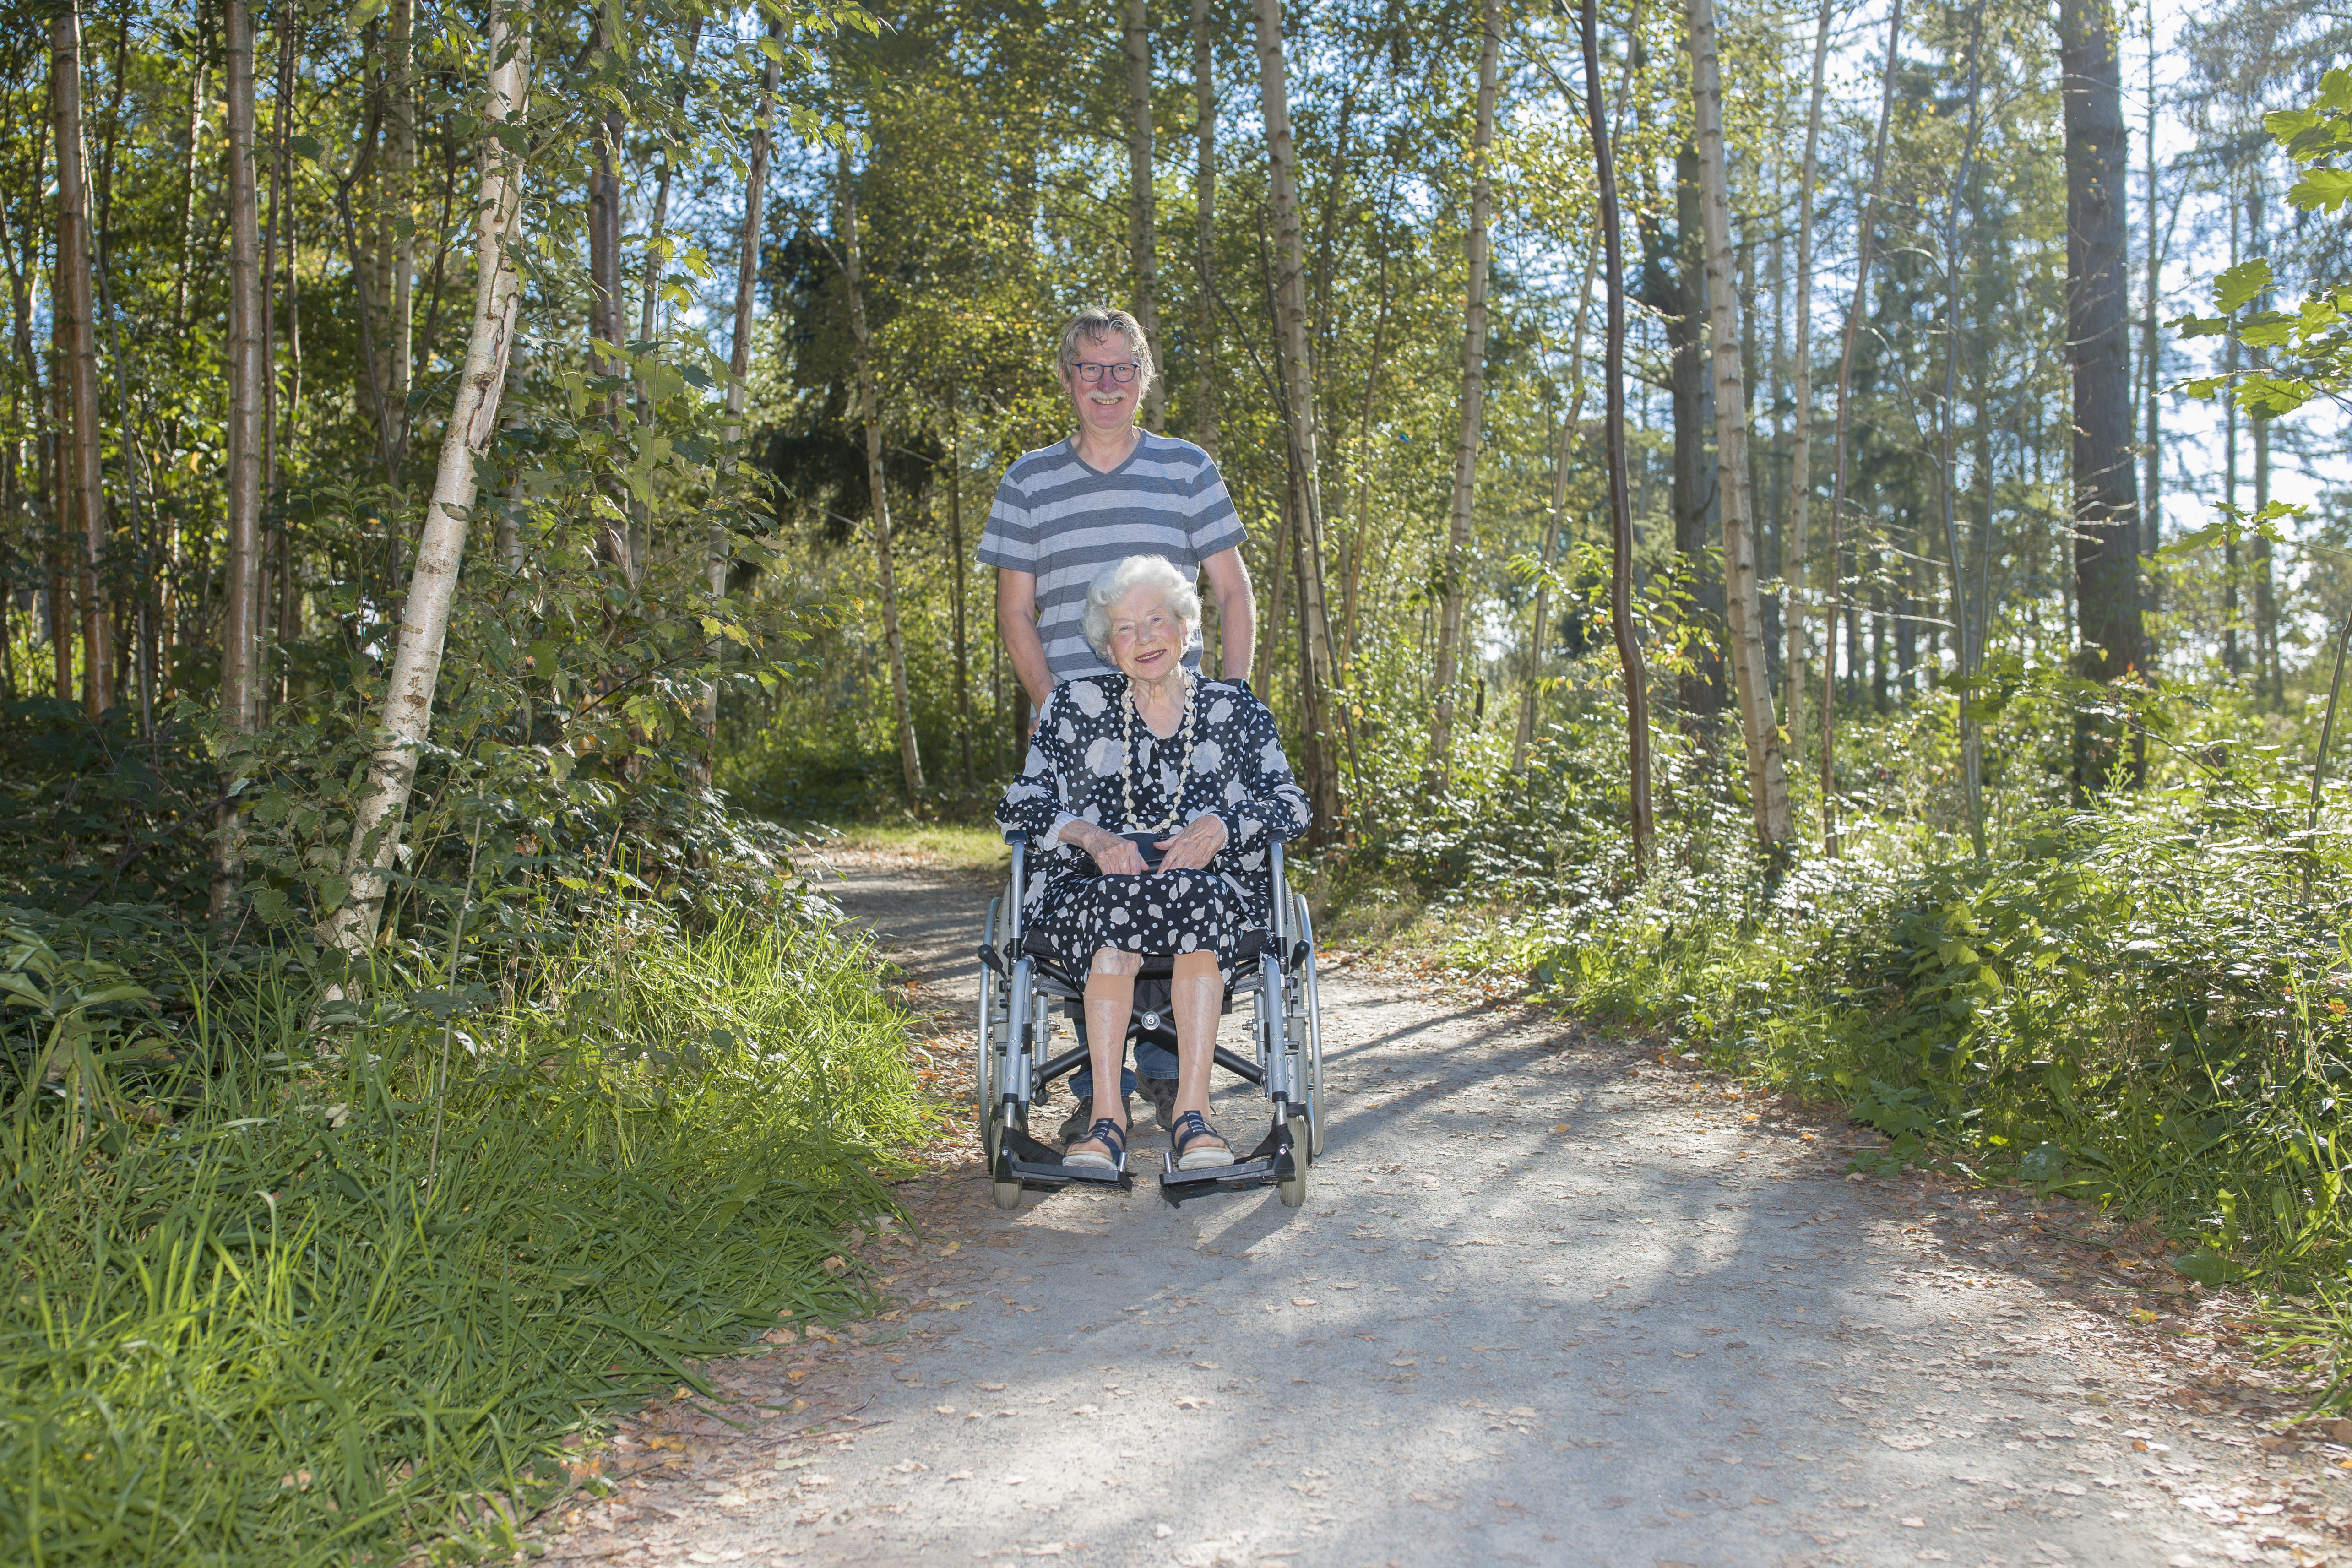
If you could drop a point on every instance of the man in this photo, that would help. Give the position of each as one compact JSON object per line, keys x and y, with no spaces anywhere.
{"x":1065,"y":512}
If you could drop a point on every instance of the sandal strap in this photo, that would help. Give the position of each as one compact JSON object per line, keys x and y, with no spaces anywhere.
{"x":1110,"y":1135}
{"x":1190,"y":1128}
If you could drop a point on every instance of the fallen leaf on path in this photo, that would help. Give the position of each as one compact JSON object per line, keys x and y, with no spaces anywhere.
{"x":1191,"y":1402}
{"x":1906,"y":1441}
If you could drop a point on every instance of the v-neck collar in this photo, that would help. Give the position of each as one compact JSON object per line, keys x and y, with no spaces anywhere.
{"x":1133,"y":453}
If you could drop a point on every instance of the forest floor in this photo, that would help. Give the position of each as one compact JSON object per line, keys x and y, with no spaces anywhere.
{"x":1639,"y":1320}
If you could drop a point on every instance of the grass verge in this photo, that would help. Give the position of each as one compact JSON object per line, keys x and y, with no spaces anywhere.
{"x":364,"y":1287}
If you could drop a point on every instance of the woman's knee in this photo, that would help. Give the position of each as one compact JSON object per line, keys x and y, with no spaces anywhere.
{"x":1113,"y":963}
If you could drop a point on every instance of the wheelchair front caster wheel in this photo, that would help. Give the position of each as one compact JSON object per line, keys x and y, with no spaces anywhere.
{"x":1292,"y":1189}
{"x":1315,"y":1135}
{"x":1006,"y":1193}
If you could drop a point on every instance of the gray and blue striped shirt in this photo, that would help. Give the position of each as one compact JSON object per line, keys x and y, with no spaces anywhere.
{"x":1059,"y":519}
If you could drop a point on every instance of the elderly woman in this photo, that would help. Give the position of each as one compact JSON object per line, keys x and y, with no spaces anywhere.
{"x":1156,"y":791}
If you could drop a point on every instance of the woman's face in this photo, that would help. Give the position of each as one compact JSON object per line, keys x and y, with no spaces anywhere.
{"x":1146,"y":639}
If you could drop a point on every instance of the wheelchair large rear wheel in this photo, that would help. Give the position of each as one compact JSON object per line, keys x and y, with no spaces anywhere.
{"x":991,"y":990}
{"x":1310,"y":1006}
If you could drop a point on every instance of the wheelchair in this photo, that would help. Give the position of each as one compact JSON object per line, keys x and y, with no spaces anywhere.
{"x":1019,"y":982}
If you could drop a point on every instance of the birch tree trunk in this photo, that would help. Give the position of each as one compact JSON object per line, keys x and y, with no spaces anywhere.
{"x":407,"y":715}
{"x":400,"y":207}
{"x":1853,"y":320}
{"x":910,"y":760}
{"x":77,"y":328}
{"x":1620,"y":508}
{"x":1473,"y":399}
{"x":1142,"y":235}
{"x":1966,"y":629}
{"x":1298,"y":380}
{"x":1204,"y":239}
{"x":1563,"y":447}
{"x":739,"y":362}
{"x":240,"y":678}
{"x":1768,"y":782}
{"x":1800,"y":376}
{"x":607,"y":305}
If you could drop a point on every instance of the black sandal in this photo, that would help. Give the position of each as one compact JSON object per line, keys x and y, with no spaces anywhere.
{"x":1189,"y":1129}
{"x":1111,"y":1136}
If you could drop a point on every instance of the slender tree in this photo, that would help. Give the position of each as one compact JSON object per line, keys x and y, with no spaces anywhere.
{"x":1204,"y":239}
{"x":1621,"y":510}
{"x":1855,"y":317}
{"x":1296,"y":378}
{"x":78,"y":336}
{"x":1767,"y":783}
{"x":1800,"y":376}
{"x":2098,"y":343}
{"x":869,"y":408}
{"x":1142,"y":231}
{"x":1970,"y":636}
{"x":1470,"y":405}
{"x":406,"y":719}
{"x":717,"y":552}
{"x":240,"y":680}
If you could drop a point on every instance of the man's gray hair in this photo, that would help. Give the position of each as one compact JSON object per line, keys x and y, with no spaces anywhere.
{"x":1095,"y":323}
{"x":1116,"y":582}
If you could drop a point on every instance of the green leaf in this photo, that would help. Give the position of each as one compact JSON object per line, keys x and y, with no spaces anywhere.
{"x":2325,"y":189}
{"x":2240,"y":283}
{"x":2207,"y":1267}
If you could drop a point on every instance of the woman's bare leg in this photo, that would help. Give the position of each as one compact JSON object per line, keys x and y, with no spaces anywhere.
{"x":1197,"y":993}
{"x":1109,"y":1003}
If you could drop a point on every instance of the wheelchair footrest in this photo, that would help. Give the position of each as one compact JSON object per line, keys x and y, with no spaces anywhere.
{"x":1263,"y":1163}
{"x":1021,"y":1156}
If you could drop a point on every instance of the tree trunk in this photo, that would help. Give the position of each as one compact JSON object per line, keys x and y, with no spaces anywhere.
{"x":2151,"y":363}
{"x":1563,"y":449}
{"x":959,"y":577}
{"x":1143,"y":235}
{"x":607,"y":304}
{"x":869,"y":407}
{"x":1800,"y":373}
{"x":1204,"y":198}
{"x":1853,"y":320}
{"x":1316,"y":677}
{"x":407,"y":715}
{"x":1767,"y":785}
{"x":2098,"y":340}
{"x":188,"y":184}
{"x":400,"y":206}
{"x":79,"y":335}
{"x":717,"y":552}
{"x":1621,"y":510}
{"x":1967,"y":635}
{"x":240,"y":680}
{"x":1470,"y":407}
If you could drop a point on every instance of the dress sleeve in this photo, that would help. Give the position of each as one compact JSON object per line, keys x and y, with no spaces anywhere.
{"x":1260,"y":794}
{"x":1038,"y":802}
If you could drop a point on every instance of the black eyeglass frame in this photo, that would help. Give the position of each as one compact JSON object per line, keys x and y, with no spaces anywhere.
{"x":1116,"y":375}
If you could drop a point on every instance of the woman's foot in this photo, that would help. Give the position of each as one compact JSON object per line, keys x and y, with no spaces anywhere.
{"x":1101,"y":1149}
{"x":1198,"y":1146}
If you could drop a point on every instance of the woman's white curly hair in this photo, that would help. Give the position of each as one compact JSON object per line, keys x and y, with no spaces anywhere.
{"x":1116,"y":582}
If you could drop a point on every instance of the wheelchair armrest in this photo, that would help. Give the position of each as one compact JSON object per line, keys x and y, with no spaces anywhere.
{"x":1017,"y":835}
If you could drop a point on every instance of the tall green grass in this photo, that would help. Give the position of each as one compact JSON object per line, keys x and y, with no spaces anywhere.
{"x":369,"y":1277}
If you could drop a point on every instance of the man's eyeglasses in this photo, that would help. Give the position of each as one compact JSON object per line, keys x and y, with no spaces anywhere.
{"x":1096,"y":375}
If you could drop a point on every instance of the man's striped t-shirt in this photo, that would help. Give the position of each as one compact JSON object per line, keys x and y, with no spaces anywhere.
{"x":1061,"y":521}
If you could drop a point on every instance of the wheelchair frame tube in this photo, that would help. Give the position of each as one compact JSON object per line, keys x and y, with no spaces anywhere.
{"x":1017,"y":1086}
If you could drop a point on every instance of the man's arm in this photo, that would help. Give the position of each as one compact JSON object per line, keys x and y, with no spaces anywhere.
{"x":1236,"y":611}
{"x":1017,"y":622}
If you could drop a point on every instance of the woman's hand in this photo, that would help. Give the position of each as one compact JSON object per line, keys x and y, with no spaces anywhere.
{"x":1113,"y":855}
{"x":1195,"y":847}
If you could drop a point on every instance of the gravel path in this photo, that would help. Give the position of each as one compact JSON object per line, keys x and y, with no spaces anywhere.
{"x":1635,"y":1321}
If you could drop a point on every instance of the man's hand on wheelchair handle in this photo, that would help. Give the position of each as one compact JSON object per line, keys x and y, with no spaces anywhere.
{"x":1195,"y":847}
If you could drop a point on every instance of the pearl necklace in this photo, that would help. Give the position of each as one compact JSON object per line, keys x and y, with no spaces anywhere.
{"x":1183,"y":767}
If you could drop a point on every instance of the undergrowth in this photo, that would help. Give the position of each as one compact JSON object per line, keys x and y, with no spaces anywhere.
{"x":345,"y":1288}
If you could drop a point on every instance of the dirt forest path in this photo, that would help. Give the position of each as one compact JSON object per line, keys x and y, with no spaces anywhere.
{"x":1636,"y":1322}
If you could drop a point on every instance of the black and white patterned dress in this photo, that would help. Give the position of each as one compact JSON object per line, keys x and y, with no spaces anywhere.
{"x":1074,"y":771}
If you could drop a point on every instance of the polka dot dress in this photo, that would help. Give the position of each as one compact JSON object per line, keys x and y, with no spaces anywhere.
{"x":1074,"y":771}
